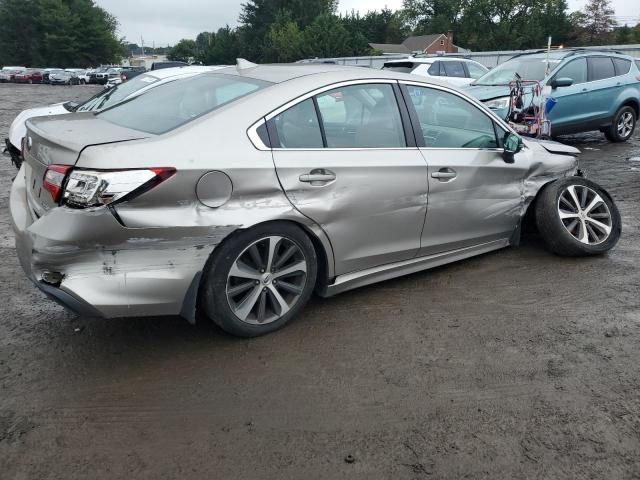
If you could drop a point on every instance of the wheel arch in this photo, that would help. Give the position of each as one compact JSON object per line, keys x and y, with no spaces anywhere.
{"x":528,"y":224}
{"x":528,"y":220}
{"x":321,"y":245}
{"x":633,"y":103}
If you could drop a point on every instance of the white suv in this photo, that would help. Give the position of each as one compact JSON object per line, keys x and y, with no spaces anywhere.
{"x":451,"y":70}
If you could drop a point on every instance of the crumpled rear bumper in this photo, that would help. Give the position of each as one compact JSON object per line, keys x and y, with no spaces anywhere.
{"x":24,"y":248}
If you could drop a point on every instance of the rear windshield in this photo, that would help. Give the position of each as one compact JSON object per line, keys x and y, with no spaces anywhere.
{"x":108,"y":98}
{"x":169,"y":106}
{"x":402,"y":67}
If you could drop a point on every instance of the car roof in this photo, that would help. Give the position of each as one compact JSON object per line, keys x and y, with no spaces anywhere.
{"x":174,"y":71}
{"x":563,"y":53}
{"x":278,"y":73}
{"x":429,"y":60}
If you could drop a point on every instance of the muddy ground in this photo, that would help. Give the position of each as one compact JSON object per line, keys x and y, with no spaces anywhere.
{"x":516,"y":364}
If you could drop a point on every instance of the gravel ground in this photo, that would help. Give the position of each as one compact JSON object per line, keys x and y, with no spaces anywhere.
{"x":516,"y":364}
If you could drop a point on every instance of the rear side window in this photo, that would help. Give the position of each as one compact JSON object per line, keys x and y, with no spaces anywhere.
{"x":623,"y":66}
{"x":355,"y":116}
{"x":174,"y":104}
{"x":298,"y":127}
{"x":638,"y":64}
{"x":600,"y":68}
{"x":475,"y":71}
{"x":435,"y":70}
{"x":576,"y":70}
{"x":454,"y":69}
{"x":361,"y":116}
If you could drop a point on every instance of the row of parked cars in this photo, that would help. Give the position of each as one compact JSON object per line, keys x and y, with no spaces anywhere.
{"x":238,"y":192}
{"x":108,"y":75}
{"x":70,"y":76}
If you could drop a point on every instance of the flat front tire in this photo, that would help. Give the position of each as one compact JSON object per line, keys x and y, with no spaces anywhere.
{"x":258,"y":280}
{"x":577,"y":217}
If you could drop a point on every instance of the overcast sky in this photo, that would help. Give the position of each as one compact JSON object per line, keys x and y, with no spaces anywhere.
{"x":167,"y":21}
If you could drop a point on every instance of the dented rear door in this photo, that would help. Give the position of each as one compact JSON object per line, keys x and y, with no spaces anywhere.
{"x":361,"y":183}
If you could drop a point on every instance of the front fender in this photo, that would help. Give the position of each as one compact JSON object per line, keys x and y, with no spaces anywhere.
{"x":545,"y":167}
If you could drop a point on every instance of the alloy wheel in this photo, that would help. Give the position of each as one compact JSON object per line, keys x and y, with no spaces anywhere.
{"x":625,"y":124}
{"x":266,"y":280}
{"x":585,"y":214}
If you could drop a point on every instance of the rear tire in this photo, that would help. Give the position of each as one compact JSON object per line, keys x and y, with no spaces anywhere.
{"x":577,"y":217}
{"x":623,"y":126}
{"x":258,"y":280}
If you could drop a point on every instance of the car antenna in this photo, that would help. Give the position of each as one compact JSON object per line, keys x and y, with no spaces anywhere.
{"x":242,"y":64}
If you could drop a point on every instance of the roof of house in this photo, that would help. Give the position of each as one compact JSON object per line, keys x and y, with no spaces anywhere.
{"x":389,"y":48}
{"x":421,"y":42}
{"x":412,"y":44}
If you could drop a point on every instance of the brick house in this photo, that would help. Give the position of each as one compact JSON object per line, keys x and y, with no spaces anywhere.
{"x":430,"y":44}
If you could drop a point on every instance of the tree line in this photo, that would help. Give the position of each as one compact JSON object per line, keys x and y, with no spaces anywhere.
{"x":289,"y":30}
{"x":80,"y":33}
{"x":62,"y":33}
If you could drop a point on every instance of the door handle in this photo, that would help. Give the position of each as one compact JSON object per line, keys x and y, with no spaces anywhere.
{"x":318,"y":177}
{"x":445,"y":174}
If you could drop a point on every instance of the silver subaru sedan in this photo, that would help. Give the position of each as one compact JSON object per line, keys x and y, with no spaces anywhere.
{"x":240,"y":192}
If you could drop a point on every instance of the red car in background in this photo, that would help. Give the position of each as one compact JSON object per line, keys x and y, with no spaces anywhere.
{"x":29,"y":76}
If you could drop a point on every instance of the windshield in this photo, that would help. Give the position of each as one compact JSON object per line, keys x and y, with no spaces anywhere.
{"x":169,"y":106}
{"x":108,"y":98}
{"x":527,"y":68}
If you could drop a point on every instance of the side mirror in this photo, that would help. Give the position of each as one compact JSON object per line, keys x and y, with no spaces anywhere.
{"x":561,"y":82}
{"x":512,"y":145}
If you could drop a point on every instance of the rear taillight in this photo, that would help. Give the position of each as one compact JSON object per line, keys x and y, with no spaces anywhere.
{"x":94,"y":188}
{"x":123,"y":77}
{"x":53,"y":179}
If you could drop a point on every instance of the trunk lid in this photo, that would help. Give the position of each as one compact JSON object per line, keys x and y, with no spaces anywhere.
{"x":60,"y":140}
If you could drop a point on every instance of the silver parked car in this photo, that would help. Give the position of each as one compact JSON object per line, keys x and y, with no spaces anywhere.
{"x":239,"y":192}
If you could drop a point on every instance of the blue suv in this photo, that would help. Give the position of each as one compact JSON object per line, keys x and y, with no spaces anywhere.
{"x":594,"y":89}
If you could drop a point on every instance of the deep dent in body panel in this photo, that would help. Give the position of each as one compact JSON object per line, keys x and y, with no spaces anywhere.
{"x":545,"y":167}
{"x":148,"y":269}
{"x":151,"y":267}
